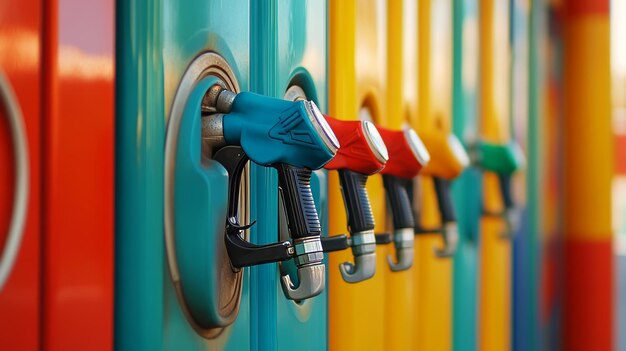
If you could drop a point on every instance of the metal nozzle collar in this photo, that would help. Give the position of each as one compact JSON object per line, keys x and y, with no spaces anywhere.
{"x":403,"y":238}
{"x":218,"y":99}
{"x":363,"y":243}
{"x":308,"y":251}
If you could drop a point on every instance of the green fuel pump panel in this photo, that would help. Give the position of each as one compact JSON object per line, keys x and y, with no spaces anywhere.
{"x":467,"y":189}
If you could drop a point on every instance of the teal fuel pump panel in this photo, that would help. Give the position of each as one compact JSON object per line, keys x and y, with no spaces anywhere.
{"x":159,"y":45}
{"x":288,"y":60}
{"x":171,"y":202}
{"x":466,"y":189}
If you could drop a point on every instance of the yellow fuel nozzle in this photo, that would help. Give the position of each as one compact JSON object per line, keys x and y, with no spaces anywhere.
{"x":448,"y":157}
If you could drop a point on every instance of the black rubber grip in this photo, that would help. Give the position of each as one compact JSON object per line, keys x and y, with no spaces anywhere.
{"x":444,"y":199}
{"x":295,"y":184}
{"x":505,"y":189}
{"x":398,"y":200}
{"x":358,"y":208}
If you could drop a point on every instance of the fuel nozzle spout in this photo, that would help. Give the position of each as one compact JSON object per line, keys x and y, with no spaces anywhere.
{"x":362,"y":154}
{"x":407,"y":156}
{"x":294,"y":138}
{"x":309,"y":258}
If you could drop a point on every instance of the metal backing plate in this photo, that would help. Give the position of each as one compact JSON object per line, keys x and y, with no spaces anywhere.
{"x":208,"y":289}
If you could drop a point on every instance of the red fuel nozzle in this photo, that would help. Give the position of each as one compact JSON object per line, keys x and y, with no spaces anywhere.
{"x":362,"y":149}
{"x":407,"y":153}
{"x":407,"y":156}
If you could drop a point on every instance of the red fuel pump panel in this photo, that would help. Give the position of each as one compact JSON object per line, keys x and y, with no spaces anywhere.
{"x":360,"y":147}
{"x":78,"y":184}
{"x":20,"y":47}
{"x":407,"y":153}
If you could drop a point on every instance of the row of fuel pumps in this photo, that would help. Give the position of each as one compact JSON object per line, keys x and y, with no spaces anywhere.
{"x":215,"y":131}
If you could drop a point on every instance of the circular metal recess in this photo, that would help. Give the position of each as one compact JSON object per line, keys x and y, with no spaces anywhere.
{"x":230,"y":285}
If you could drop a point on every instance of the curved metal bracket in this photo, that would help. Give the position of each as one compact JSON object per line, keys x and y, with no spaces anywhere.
{"x":241,"y":252}
{"x":312,"y":282}
{"x":20,"y":200}
{"x":363,"y":268}
{"x":450,"y":233}
{"x":403,"y":240}
{"x":364,"y":251}
{"x":513,"y":218}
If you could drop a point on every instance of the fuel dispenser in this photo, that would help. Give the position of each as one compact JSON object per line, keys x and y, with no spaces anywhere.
{"x":449,"y":159}
{"x":503,"y":160}
{"x":407,"y":156}
{"x":299,"y":140}
{"x":362,"y":154}
{"x":213,"y":132}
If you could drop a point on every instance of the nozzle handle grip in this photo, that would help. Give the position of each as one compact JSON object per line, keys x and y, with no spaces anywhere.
{"x":295,"y":184}
{"x":505,"y":189}
{"x":444,"y":200}
{"x":398,"y":199}
{"x":359,"y":210}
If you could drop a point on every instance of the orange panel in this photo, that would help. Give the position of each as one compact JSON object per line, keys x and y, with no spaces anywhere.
{"x":79,"y":176}
{"x":19,"y":60}
{"x":588,"y":174}
{"x":589,"y":134}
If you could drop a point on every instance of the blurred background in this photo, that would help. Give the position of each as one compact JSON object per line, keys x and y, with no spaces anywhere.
{"x":87,"y":88}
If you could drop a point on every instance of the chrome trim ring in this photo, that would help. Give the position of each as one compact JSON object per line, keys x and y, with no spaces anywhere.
{"x":15,"y":232}
{"x":417,"y":146}
{"x":205,"y":65}
{"x":375,"y":141}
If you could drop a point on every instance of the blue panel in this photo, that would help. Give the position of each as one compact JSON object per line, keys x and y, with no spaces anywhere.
{"x":525,"y":289}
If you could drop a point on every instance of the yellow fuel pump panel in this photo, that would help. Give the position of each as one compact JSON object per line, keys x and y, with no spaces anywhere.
{"x":357,"y":90}
{"x":401,"y":109}
{"x":433,"y":275}
{"x":495,"y":250}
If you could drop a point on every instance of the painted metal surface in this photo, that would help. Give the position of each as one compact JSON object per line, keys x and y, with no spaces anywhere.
{"x":401,"y":109}
{"x":357,"y":69}
{"x":155,"y":43}
{"x":284,"y":46}
{"x":78,"y":205}
{"x":432,"y":275}
{"x":588,"y":305}
{"x":20,"y":62}
{"x":466,"y":190}
{"x":495,"y":264}
{"x":546,"y":152}
{"x":285,"y":50}
{"x":526,"y":25}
